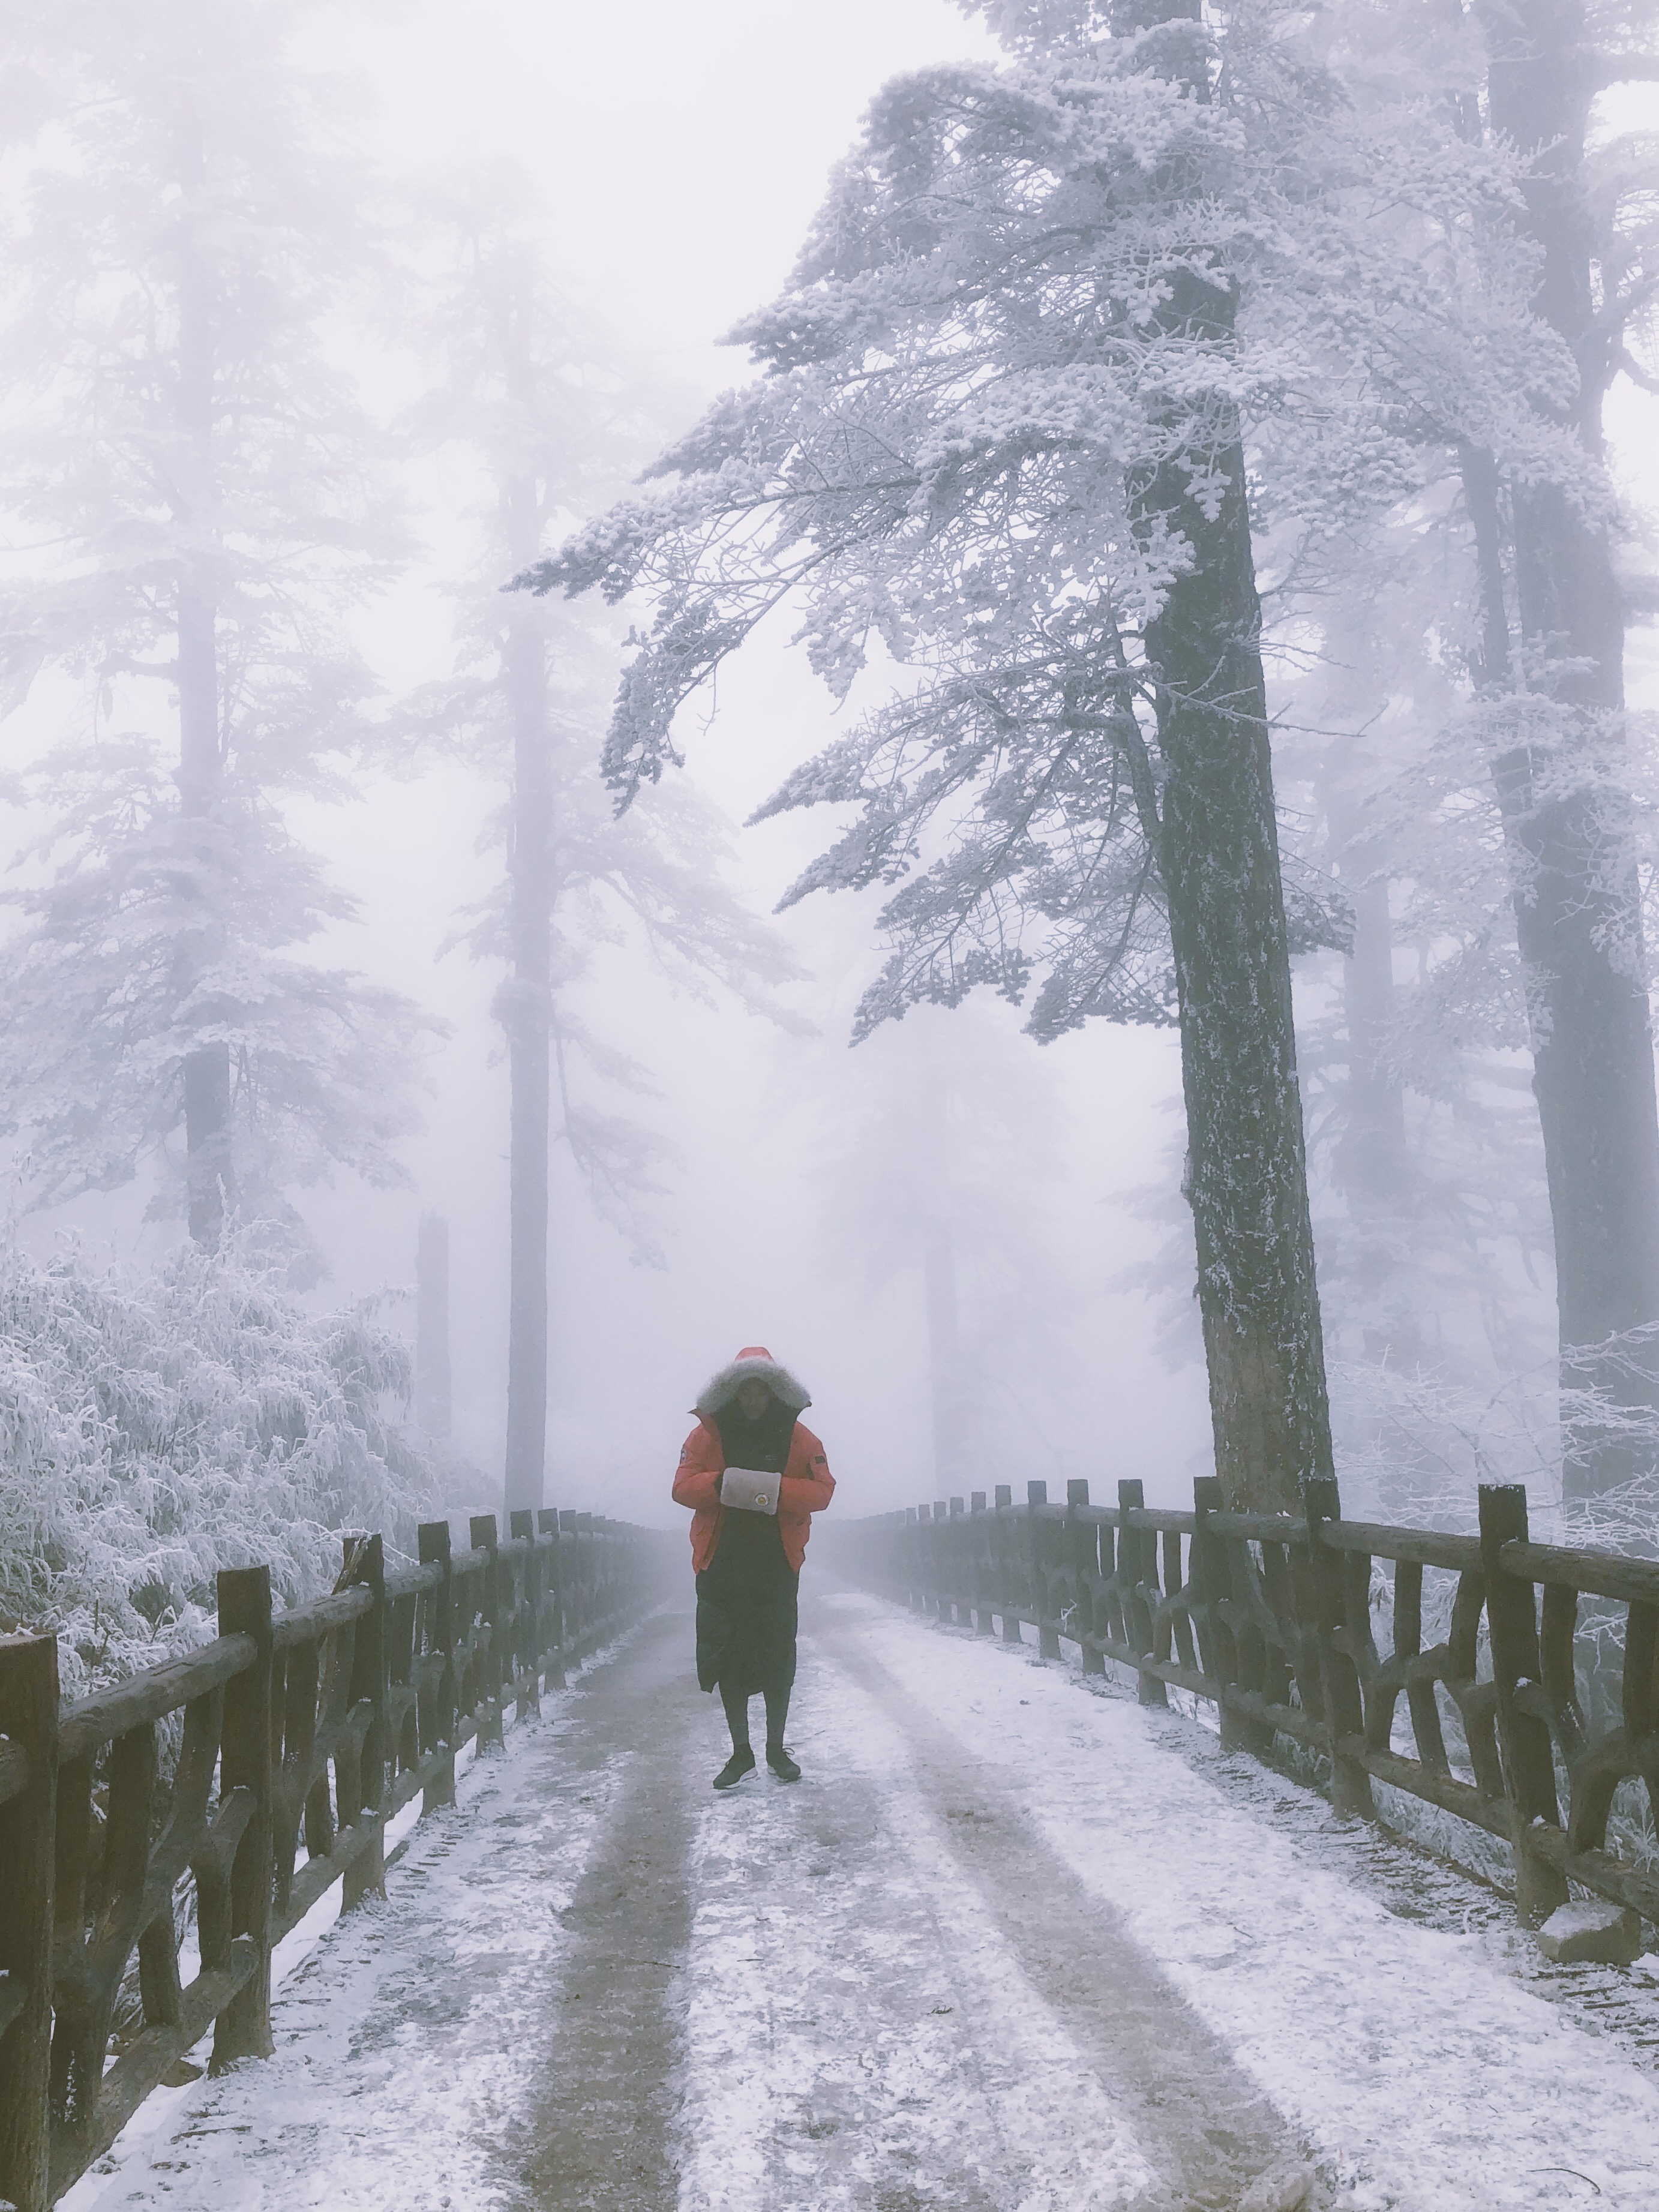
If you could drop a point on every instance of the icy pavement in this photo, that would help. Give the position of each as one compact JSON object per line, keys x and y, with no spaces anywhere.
{"x":1003,"y":1949}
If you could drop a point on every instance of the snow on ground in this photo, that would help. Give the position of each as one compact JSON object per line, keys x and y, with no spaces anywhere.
{"x":858,"y":2031}
{"x":392,"y":2077}
{"x":1003,"y":1949}
{"x":1411,"y":2061}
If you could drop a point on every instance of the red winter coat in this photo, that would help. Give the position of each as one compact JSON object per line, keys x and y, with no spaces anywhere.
{"x":806,"y":1488}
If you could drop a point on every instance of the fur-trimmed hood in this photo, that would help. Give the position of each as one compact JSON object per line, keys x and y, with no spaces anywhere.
{"x":754,"y":1364}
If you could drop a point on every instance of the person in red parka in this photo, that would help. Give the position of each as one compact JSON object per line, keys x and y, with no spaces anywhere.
{"x":747,"y":1546}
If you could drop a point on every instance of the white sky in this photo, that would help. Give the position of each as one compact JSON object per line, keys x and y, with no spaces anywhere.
{"x":682,"y":149}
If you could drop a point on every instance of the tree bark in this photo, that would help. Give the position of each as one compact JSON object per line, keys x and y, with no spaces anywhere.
{"x":210,"y":1186}
{"x":1246,"y":1175}
{"x":1577,"y":911}
{"x":1247,"y":1167}
{"x":525,"y":1007}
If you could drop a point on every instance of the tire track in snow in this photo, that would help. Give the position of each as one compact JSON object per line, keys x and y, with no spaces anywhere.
{"x":1429,"y":2081}
{"x":897,"y":1997}
{"x":604,"y":2060}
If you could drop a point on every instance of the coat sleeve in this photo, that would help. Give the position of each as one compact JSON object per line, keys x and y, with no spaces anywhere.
{"x":697,"y":1479}
{"x":807,"y":1486}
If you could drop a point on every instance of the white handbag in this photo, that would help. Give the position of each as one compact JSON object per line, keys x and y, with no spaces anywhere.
{"x":748,"y":1490}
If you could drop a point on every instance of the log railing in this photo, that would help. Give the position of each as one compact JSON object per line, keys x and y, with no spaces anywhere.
{"x":292,"y":1742}
{"x":1271,"y":1618}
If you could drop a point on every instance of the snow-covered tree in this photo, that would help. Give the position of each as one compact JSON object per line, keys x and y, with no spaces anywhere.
{"x":194,"y":503}
{"x":1550,"y":673}
{"x":523,"y":386}
{"x":1475,"y":635}
{"x":1002,"y":429}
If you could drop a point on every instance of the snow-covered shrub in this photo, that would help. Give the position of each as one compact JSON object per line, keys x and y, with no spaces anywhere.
{"x":157,"y":1427}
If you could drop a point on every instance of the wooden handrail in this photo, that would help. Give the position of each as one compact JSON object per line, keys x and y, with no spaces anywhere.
{"x":1271,"y":1617}
{"x":303,"y":1733}
{"x":86,"y":1726}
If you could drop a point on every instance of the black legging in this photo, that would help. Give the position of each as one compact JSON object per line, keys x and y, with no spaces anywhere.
{"x":737,"y":1716}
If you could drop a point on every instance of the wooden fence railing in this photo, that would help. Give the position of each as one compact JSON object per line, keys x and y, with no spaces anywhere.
{"x":300,"y":1735}
{"x":1271,"y":1617}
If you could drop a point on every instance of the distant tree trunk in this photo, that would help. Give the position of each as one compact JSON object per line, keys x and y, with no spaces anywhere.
{"x":1218,"y":856}
{"x":1577,"y":911}
{"x":1374,"y":1160}
{"x":525,"y":1009}
{"x":432,"y":1380}
{"x":210,"y":1177}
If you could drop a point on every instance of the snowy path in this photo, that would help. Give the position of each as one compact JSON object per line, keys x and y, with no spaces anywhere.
{"x":1004,"y":1949}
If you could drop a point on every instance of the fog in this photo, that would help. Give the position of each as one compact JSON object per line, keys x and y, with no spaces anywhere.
{"x":680,"y":155}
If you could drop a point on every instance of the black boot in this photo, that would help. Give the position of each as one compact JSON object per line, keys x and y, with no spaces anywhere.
{"x":780,"y":1763}
{"x":740,"y":1763}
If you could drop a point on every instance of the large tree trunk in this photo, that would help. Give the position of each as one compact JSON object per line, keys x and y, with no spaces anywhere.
{"x":525,"y":1009}
{"x":1577,"y":913}
{"x":1247,"y":1170}
{"x":1246,"y":1175}
{"x":210,"y":1177}
{"x":1246,"y":1166}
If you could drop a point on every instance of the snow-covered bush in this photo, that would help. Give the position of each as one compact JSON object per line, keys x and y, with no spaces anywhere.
{"x":156,"y":1427}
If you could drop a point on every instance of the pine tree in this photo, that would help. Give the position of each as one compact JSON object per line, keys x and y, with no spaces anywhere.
{"x":1553,"y":646}
{"x":200,"y":489}
{"x":1002,"y":429}
{"x":522,"y":384}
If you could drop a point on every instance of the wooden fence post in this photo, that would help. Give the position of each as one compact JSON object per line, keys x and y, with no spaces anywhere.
{"x":439,"y":1724}
{"x":366,"y":1559}
{"x":1522,"y":1737}
{"x":1036,"y":1494}
{"x":984,"y":1579}
{"x":547,"y":1520}
{"x":483,"y":1535}
{"x":1338,"y":1678}
{"x":570,"y":1569}
{"x":243,"y":2029}
{"x":521,"y":1522}
{"x":1004,"y":1539}
{"x":1140,"y":1546}
{"x":1215,"y":1577}
{"x":1083,"y":1537}
{"x":28,"y":1719}
{"x":956,"y":1553}
{"x":588,"y":1545}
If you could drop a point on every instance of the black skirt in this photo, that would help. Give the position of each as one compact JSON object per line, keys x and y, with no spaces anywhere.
{"x":748,"y":1610}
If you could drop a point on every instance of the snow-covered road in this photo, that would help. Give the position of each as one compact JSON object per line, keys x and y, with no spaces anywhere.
{"x":1008,"y":1948}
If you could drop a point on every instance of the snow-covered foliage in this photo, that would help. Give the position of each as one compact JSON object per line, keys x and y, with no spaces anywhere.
{"x":156,"y":1427}
{"x":197,"y":502}
{"x":973,"y":370}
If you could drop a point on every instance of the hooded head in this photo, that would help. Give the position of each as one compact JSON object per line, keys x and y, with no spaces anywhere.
{"x":754,"y":1364}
